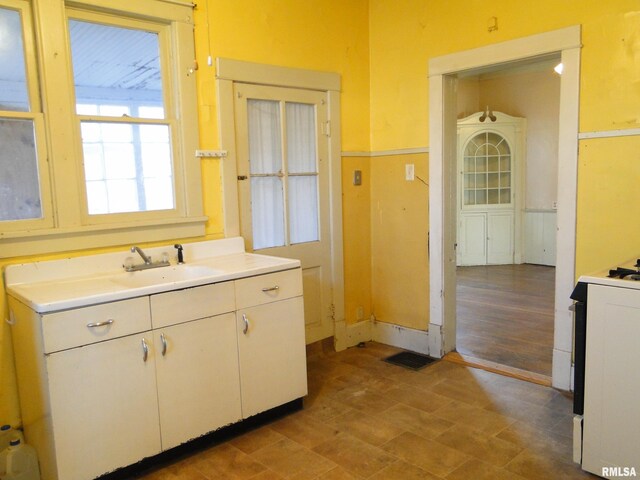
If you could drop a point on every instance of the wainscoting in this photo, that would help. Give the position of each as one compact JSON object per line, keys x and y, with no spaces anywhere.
{"x":505,"y":315}
{"x":540,"y":237}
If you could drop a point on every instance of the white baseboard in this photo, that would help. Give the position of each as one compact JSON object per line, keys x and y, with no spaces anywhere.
{"x":435,"y":341}
{"x":561,"y":374}
{"x":401,"y":337}
{"x":340,"y":341}
{"x":359,"y":332}
{"x":389,"y":334}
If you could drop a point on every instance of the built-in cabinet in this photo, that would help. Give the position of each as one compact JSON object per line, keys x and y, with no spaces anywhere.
{"x":107,"y":385}
{"x":490,"y":189}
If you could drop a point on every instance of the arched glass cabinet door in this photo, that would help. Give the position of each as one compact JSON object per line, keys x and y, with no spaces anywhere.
{"x":487,"y":170}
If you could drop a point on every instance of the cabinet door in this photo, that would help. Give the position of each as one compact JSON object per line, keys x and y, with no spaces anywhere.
{"x":472,"y":249}
{"x":500,"y":238}
{"x":104,"y":406}
{"x":272,"y":353}
{"x":198,"y":380}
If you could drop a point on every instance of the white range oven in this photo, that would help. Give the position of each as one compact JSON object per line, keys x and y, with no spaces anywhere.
{"x":607,"y":372}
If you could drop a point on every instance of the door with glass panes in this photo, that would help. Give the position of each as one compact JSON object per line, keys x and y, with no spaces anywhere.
{"x":283,"y":185}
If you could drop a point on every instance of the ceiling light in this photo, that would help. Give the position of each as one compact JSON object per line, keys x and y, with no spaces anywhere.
{"x":558,"y":68}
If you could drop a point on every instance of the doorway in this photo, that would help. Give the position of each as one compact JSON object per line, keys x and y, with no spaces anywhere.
{"x":442,"y":198}
{"x":506,"y":196}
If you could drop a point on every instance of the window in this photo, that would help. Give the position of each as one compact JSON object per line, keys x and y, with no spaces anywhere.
{"x":21,"y":132}
{"x":487,"y":170}
{"x":105,"y":113}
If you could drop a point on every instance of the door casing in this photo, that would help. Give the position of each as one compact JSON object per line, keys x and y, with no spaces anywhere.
{"x":442,"y":193}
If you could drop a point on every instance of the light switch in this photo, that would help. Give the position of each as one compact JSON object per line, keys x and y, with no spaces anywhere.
{"x":357,"y":177}
{"x":409,"y":172}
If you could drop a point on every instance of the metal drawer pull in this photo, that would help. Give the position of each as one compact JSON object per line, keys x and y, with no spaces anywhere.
{"x":271,"y":289}
{"x":145,"y":350}
{"x":163,"y":339}
{"x":246,"y":323}
{"x":100,"y":324}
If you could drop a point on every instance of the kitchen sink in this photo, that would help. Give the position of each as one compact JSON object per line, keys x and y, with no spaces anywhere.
{"x":161,"y":275}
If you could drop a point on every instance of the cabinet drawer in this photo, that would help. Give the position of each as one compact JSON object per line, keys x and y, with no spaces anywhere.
{"x":191,"y":304}
{"x":268,"y":288}
{"x":83,"y":326}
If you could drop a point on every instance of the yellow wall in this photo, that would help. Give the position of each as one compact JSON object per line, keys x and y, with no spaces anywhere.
{"x":399,"y":237}
{"x":357,"y":238}
{"x":406,"y":34}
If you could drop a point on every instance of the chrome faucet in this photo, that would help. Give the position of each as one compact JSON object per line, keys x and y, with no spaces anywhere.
{"x":129,"y":267}
{"x":147,"y":259}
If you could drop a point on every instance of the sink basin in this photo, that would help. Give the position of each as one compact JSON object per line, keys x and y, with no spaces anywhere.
{"x":160,"y":275}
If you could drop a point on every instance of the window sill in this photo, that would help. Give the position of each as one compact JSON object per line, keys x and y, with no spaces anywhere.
{"x":36,"y":242}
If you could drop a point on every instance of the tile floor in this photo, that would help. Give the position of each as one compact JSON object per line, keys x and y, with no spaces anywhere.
{"x":364,"y":418}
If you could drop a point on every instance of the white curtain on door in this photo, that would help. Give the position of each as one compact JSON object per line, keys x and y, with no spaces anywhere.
{"x":267,"y":170}
{"x":303,"y":172}
{"x":265,"y":164}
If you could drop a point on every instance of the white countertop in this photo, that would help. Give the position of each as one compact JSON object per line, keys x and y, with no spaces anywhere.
{"x":77,"y":282}
{"x":602,"y":278}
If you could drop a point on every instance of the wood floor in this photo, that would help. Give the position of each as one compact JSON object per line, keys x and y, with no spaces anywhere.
{"x":367,"y":419}
{"x":505,"y":315}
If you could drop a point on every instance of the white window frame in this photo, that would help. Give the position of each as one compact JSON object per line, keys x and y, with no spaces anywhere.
{"x":67,"y":224}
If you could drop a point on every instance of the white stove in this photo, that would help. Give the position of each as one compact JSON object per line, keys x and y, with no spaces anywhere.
{"x":606,"y":380}
{"x":626,"y":275}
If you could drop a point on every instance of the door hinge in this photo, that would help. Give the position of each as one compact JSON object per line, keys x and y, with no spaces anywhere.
{"x":242,"y":177}
{"x":332,"y":312}
{"x":326,"y":128}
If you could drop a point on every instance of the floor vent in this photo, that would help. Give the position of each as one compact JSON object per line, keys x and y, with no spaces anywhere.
{"x":412,"y":360}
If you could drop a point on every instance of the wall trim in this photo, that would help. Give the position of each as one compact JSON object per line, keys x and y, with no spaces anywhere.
{"x":387,"y":153}
{"x":263,"y":74}
{"x":401,"y":337}
{"x":538,"y":45}
{"x":609,"y":133}
{"x":388,"y":334}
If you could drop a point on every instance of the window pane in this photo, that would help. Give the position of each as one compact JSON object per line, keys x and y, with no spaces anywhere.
{"x":13,"y":79}
{"x":301,"y":138}
{"x":19,"y":183}
{"x":127,"y":167}
{"x":267,"y":212}
{"x":303,"y":209}
{"x":117,"y":69}
{"x":265,"y":143}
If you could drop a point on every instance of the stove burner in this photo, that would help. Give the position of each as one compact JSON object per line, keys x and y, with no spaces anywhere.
{"x":622,"y":272}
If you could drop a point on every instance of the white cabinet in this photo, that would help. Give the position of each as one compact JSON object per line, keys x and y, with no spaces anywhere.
{"x":271,"y":345}
{"x":271,"y":349}
{"x":104,"y":407}
{"x":486,"y":238}
{"x":490,"y":188}
{"x":197,"y":361}
{"x":104,"y":386}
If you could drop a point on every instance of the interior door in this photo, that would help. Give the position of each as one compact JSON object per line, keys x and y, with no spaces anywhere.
{"x":283,"y":187}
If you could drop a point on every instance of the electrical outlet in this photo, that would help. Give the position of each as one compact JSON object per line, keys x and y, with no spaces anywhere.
{"x":409,"y":172}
